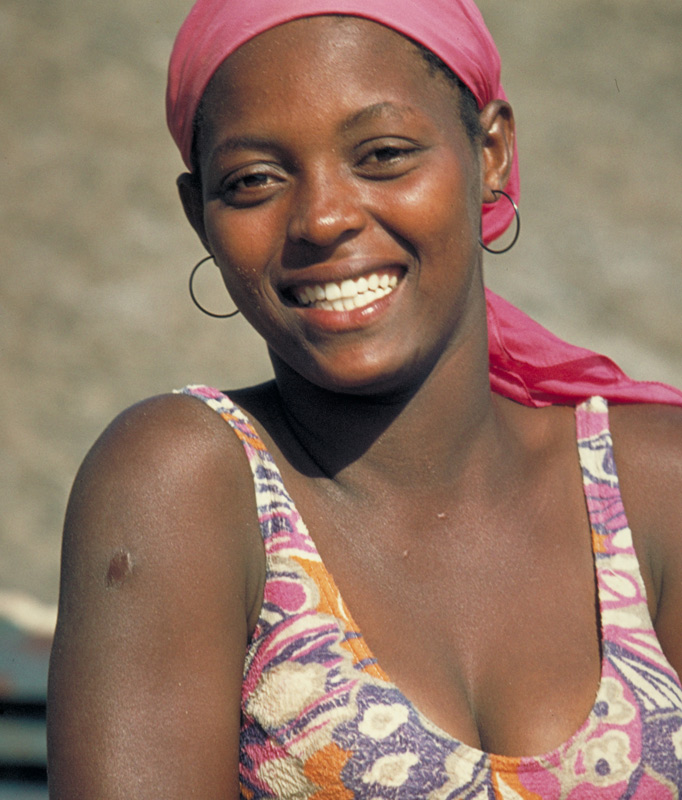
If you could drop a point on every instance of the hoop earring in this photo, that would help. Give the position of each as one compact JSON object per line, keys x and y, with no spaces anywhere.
{"x":518,"y":227}
{"x":193,"y":296}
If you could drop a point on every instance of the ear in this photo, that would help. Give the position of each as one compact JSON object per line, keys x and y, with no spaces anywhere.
{"x":192,"y":198}
{"x":499,"y":134}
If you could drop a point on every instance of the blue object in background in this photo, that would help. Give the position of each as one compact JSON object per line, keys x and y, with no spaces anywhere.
{"x":25,"y":640}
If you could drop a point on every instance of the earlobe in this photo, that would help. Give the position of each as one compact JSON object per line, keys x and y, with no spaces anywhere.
{"x":191,"y":196}
{"x":497,"y":121}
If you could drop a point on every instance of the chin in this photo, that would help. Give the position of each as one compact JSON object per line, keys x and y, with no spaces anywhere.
{"x":360,"y":377}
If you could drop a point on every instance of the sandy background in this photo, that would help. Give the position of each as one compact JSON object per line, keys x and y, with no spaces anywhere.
{"x":95,"y":253}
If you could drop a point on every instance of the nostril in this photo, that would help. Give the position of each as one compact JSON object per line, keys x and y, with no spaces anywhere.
{"x":324,"y":213}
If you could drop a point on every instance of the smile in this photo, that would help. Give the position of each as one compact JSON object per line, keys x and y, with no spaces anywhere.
{"x":346,"y":295}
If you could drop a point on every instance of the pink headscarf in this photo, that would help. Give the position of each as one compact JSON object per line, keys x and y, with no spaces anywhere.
{"x":452,"y":29}
{"x":527,"y":363}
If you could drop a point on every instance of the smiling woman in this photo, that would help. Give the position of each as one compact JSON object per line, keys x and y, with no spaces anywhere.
{"x":293,"y":200}
{"x":455,"y":473}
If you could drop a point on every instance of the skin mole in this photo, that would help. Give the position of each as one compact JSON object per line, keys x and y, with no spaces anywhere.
{"x":120,"y":569}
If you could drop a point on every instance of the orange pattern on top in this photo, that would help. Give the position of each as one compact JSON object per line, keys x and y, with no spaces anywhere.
{"x":505,"y":777}
{"x":244,"y":792}
{"x":598,"y":542}
{"x":253,"y":439}
{"x":332,"y":603}
{"x":323,"y":768}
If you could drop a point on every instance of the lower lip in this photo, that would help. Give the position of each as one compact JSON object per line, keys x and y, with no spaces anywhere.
{"x":343,"y":321}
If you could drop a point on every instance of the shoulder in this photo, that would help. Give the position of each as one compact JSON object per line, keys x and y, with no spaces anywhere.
{"x":166,"y":483}
{"x":160,"y":441}
{"x":647,"y":442}
{"x":648,"y":450}
{"x":168,"y":426}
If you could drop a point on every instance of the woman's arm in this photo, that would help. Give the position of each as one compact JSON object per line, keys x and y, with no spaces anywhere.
{"x":162,"y":567}
{"x":648,"y":452}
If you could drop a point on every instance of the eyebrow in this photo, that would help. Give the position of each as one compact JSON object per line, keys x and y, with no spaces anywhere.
{"x":387,"y":108}
{"x":233,"y":143}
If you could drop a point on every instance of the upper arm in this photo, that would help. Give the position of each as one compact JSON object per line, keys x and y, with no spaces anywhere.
{"x":160,"y":567}
{"x":648,"y":451}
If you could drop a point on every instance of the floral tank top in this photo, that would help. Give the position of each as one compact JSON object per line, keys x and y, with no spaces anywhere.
{"x":322,"y":721}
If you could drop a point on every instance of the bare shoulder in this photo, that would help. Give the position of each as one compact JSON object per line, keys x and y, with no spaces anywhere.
{"x":648,"y":453}
{"x":175,"y":427}
{"x":648,"y":450}
{"x":162,"y":570}
{"x":162,"y":469}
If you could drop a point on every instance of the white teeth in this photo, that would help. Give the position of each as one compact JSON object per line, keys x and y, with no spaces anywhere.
{"x":366,"y":298}
{"x":333,"y":291}
{"x":349,"y":289}
{"x":347,"y":295}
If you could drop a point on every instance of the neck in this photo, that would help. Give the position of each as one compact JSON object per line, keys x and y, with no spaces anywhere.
{"x":428,"y":432}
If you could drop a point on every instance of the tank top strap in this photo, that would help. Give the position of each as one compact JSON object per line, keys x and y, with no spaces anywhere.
{"x":276,"y":509}
{"x":625,"y":619}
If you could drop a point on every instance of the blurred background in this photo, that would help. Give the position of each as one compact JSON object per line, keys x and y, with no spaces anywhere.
{"x":94,"y":308}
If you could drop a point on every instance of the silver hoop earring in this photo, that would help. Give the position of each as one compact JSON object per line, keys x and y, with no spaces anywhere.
{"x":518,"y":227}
{"x":193,"y":296}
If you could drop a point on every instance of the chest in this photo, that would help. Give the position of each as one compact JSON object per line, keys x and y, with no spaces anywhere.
{"x":320,"y":709}
{"x":394,"y":676}
{"x":483,"y":616}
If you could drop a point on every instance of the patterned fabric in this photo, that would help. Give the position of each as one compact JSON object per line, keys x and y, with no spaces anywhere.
{"x":321,"y":720}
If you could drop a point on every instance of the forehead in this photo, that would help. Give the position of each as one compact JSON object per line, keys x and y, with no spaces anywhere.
{"x":320,"y":37}
{"x":309,"y":57}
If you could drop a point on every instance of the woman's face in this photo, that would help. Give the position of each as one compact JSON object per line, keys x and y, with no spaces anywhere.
{"x":340,"y":197}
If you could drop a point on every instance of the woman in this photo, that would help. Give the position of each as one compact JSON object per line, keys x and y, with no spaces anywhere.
{"x":202,"y":643}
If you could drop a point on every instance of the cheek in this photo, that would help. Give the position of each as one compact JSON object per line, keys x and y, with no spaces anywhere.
{"x":238,"y":238}
{"x":244,"y":244}
{"x":439,"y":216}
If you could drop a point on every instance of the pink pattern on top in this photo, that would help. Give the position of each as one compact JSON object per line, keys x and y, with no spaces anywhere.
{"x":321,"y":720}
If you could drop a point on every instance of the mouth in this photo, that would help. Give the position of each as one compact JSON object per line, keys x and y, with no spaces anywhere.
{"x":348,"y":294}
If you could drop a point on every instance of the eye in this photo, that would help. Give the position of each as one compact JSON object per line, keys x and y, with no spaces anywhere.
{"x":387,"y":154}
{"x":382,"y":160}
{"x":250,"y":185}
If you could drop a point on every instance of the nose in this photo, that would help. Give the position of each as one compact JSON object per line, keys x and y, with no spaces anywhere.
{"x":326,"y":208}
